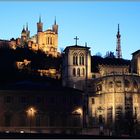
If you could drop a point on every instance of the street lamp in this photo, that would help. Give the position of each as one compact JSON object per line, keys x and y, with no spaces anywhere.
{"x":79,"y":111}
{"x":31,"y":113}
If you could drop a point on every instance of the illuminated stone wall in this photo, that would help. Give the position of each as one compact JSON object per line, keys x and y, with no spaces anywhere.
{"x":113,"y":97}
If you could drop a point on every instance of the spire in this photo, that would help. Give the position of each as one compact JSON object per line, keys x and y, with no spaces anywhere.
{"x":118,"y":29}
{"x":39,"y":25}
{"x":40,"y":19}
{"x":55,"y":26}
{"x":55,"y":21}
{"x":23,"y":30}
{"x":118,"y":47}
{"x":27,"y":26}
{"x":85,"y":44}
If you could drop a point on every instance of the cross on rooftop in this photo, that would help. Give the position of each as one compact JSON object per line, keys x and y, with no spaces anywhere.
{"x":76,"y":38}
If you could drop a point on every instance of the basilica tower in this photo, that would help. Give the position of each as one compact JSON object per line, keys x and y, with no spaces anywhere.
{"x":39,"y":25}
{"x":55,"y":27}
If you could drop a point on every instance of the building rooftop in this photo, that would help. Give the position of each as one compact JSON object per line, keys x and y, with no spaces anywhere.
{"x":38,"y":86}
{"x":76,"y":46}
{"x":136,"y":52}
{"x":97,"y":60}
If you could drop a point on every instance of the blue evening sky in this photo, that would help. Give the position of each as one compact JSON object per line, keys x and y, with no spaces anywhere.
{"x":93,"y":22}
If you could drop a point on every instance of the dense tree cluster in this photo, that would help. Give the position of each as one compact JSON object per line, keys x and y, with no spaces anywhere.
{"x":39,"y":60}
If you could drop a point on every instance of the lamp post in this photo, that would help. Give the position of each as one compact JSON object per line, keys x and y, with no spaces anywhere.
{"x":31,"y":113}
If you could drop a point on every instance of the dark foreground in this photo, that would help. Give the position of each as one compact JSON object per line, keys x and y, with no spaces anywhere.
{"x":59,"y":136}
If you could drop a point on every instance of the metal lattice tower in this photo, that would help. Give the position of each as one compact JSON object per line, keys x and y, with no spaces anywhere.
{"x":118,"y":47}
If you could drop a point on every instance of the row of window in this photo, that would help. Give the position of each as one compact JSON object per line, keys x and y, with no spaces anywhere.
{"x":81,"y":59}
{"x":50,"y":40}
{"x":78,"y":72}
{"x":118,"y":84}
{"x":126,"y":83}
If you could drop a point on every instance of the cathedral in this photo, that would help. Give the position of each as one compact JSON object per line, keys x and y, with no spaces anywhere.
{"x":111,"y":87}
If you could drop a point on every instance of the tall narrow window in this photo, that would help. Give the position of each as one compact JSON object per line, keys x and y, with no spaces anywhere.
{"x":74,"y":72}
{"x":81,"y":59}
{"x":51,"y":40}
{"x":83,"y":71}
{"x":48,"y":40}
{"x":78,"y":71}
{"x":75,"y":59}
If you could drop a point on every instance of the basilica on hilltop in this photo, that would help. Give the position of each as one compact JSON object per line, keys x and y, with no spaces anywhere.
{"x":45,"y":41}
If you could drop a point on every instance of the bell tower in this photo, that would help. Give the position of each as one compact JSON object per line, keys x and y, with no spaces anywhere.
{"x":76,"y":66}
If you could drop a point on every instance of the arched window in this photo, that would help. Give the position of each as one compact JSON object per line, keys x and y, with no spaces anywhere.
{"x":78,"y":71}
{"x":74,"y":72}
{"x":75,"y":59}
{"x":48,"y":40}
{"x":81,"y":59}
{"x":51,"y":40}
{"x":83,"y":71}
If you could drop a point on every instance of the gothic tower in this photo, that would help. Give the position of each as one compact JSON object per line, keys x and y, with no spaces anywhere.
{"x":118,"y":47}
{"x":40,"y":33}
{"x":27,"y":31}
{"x":39,"y":25}
{"x":55,"y":27}
{"x":23,"y":36}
